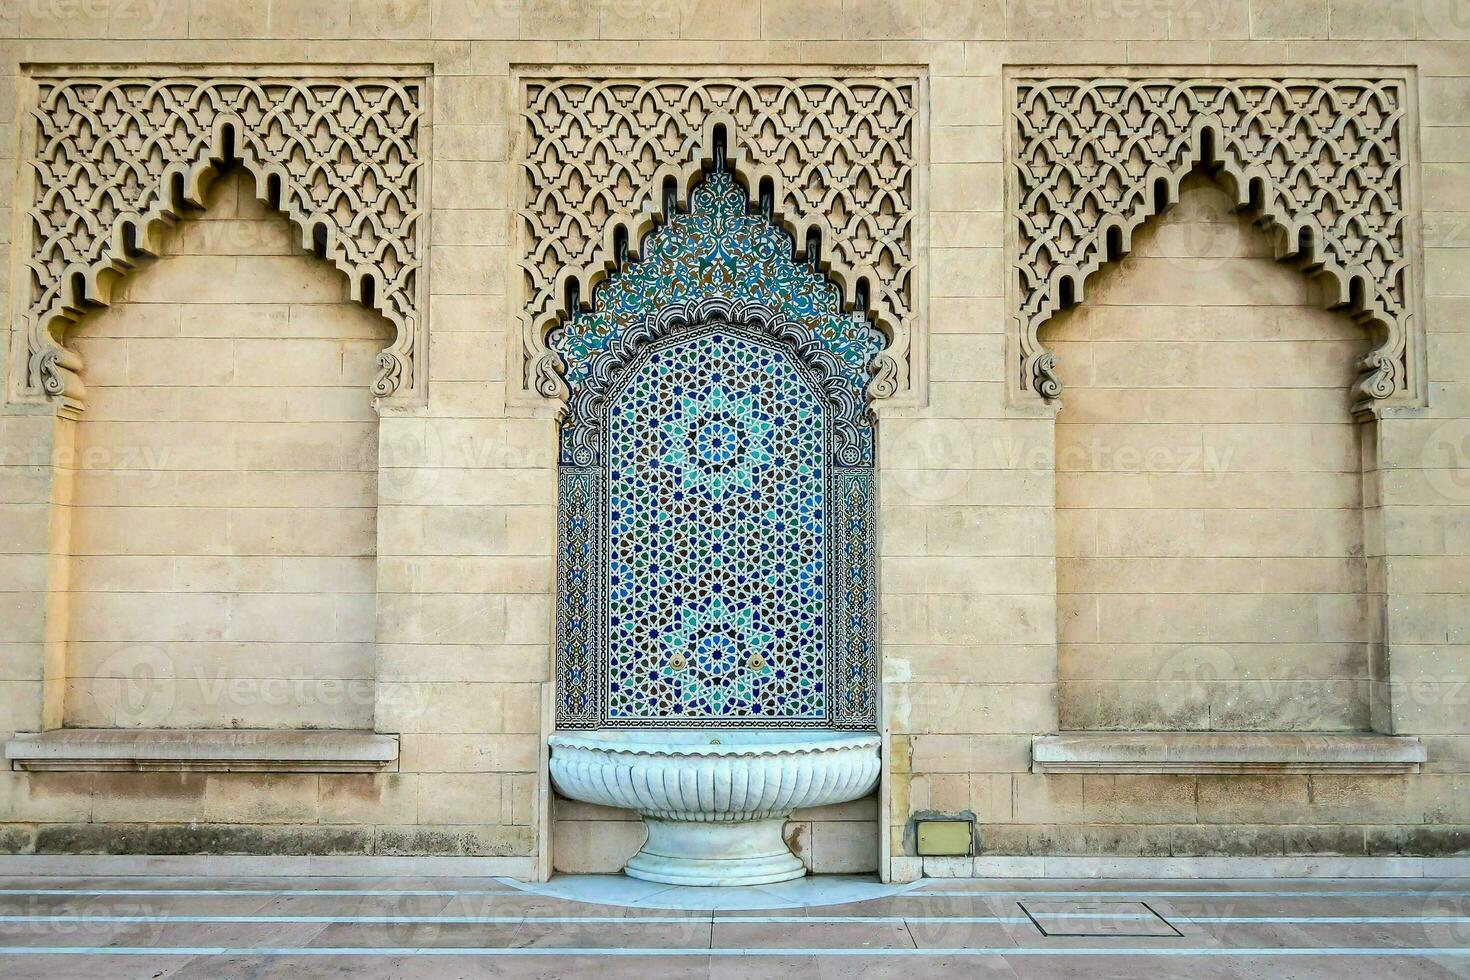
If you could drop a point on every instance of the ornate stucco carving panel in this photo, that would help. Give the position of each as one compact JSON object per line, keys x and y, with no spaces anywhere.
{"x":1325,"y":163}
{"x":113,"y":159}
{"x":842,"y":155}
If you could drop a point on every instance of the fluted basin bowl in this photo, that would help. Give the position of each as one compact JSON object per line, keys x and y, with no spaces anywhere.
{"x":714,"y":801}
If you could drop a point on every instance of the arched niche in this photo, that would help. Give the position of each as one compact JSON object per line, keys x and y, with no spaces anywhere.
{"x":1324,"y":164}
{"x":111,"y":160}
{"x":716,"y":509}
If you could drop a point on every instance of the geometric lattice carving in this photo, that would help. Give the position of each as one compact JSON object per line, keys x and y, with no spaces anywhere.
{"x":1324,"y":164}
{"x":715,"y":519}
{"x":832,"y":158}
{"x":717,"y":459}
{"x":116,"y":158}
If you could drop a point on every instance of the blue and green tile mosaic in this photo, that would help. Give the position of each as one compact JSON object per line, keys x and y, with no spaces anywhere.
{"x":716,"y":512}
{"x":718,"y":537}
{"x":719,"y":248}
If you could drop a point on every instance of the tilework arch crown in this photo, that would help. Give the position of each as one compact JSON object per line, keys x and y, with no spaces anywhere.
{"x":1325,"y":164}
{"x":114,"y":159}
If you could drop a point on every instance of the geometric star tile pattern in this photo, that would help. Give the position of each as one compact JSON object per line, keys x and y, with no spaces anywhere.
{"x":717,"y":535}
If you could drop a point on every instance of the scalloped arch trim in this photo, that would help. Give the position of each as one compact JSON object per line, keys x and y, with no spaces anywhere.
{"x":1324,"y":163}
{"x":115,"y":159}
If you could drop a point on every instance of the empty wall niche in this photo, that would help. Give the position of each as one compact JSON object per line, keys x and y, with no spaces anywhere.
{"x":1210,"y":522}
{"x":223,"y":526}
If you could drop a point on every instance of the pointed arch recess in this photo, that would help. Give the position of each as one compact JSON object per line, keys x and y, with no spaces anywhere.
{"x":1325,"y":164}
{"x":722,"y":266}
{"x":116,"y":159}
{"x":836,"y":156}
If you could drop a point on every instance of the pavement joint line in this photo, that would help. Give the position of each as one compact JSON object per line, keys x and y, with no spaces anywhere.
{"x":999,"y":951}
{"x":725,"y":919}
{"x":1424,"y":893}
{"x":265,"y":892}
{"x":475,"y":893}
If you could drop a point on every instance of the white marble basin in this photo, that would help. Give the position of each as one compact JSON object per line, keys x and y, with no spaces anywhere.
{"x":714,"y":801}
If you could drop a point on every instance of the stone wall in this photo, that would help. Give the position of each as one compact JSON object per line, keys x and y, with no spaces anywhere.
{"x":972,"y":539}
{"x":1210,"y":563}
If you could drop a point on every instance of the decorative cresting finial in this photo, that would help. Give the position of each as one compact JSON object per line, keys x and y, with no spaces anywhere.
{"x":1324,"y":163}
{"x":116,"y":159}
{"x":834,"y":156}
{"x":716,"y":510}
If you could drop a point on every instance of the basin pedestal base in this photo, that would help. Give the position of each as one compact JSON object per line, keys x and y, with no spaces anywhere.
{"x":715,"y":852}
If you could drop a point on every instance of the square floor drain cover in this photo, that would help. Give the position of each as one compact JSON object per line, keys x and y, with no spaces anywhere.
{"x":1097,"y":919}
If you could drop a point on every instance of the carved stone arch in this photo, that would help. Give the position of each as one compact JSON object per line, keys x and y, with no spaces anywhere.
{"x":717,"y":324}
{"x":113,"y":160}
{"x":1325,"y":164}
{"x":605,"y":148}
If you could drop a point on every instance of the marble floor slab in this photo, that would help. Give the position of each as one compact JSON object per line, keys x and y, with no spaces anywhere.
{"x":611,"y":928}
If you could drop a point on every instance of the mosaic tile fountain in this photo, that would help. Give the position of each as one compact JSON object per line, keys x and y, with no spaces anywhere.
{"x":716,"y":540}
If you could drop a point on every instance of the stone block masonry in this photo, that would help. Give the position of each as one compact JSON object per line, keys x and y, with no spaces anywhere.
{"x":229,"y":511}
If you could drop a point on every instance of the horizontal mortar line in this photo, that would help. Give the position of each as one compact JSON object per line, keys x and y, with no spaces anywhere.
{"x":620,"y":919}
{"x":207,"y":680}
{"x":1353,"y":594}
{"x":1101,"y":337}
{"x":488,"y":919}
{"x":1002,"y":951}
{"x":304,"y":558}
{"x":264,"y":892}
{"x":634,"y":920}
{"x":277,"y":556}
{"x":1235,"y":679}
{"x":217,"y":509}
{"x":1333,"y":559}
{"x":138,"y":471}
{"x":1134,"y":507}
{"x":1148,"y":893}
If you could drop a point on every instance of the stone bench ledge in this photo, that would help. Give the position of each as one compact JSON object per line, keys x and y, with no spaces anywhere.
{"x":1224,"y":753}
{"x":202,"y":750}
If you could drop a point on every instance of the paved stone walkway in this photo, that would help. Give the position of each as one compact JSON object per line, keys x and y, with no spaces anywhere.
{"x":102,"y":928}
